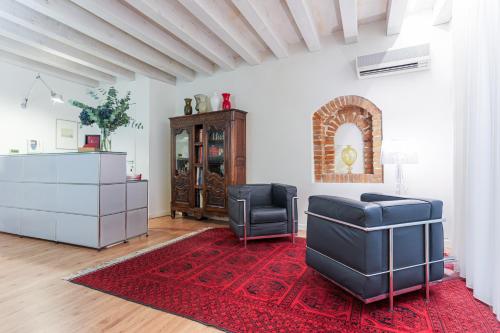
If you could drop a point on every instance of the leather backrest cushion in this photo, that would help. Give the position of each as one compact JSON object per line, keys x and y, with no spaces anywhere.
{"x":261,"y":195}
{"x":401,"y":211}
{"x":360,"y":213}
{"x":280,"y":192}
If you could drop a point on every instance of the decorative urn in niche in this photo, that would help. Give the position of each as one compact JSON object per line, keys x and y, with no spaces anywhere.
{"x":349,"y":157}
{"x":226,"y":103}
{"x":188,"y":109}
{"x":202,"y":103}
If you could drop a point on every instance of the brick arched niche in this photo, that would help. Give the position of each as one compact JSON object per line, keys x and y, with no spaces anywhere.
{"x":327,"y":119}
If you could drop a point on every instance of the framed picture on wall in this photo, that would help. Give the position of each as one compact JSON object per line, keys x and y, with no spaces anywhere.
{"x":33,"y":146}
{"x":66,"y":134}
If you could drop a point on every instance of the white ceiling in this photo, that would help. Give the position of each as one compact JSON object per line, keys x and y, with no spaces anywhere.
{"x":102,"y":41}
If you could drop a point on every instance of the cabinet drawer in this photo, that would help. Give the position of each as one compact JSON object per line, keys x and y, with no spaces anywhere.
{"x":112,"y":229}
{"x":38,"y":196}
{"x":137,"y":222}
{"x":9,"y":220}
{"x":113,"y":168}
{"x":78,"y":199}
{"x":78,"y":168}
{"x":38,"y":224}
{"x":11,"y":168}
{"x":78,"y":229}
{"x":10,"y":194}
{"x":112,"y":198}
{"x":137,"y":195}
{"x":40,"y":168}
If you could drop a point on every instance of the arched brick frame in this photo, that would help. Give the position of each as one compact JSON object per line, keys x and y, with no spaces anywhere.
{"x":327,"y":119}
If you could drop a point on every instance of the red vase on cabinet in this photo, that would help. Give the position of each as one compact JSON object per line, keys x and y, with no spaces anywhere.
{"x":226,"y":103}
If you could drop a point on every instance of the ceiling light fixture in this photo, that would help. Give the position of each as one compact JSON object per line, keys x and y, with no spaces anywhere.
{"x":55,"y":97}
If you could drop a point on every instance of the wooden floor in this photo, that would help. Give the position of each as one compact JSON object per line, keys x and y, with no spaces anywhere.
{"x":34,"y":298}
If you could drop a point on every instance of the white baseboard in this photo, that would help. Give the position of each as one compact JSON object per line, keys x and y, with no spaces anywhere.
{"x":161,"y":213}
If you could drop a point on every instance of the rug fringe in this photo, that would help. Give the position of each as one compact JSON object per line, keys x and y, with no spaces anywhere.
{"x":137,"y":253}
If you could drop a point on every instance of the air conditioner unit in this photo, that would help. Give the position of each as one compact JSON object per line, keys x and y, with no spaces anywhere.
{"x":408,"y":59}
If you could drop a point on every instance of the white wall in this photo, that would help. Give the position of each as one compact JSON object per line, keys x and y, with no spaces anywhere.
{"x":281,"y":97}
{"x":162,"y":106}
{"x":151,"y":104}
{"x":38,"y":121}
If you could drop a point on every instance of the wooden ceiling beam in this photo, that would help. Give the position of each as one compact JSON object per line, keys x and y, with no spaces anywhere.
{"x":44,"y":43}
{"x":396,"y":10}
{"x":28,"y":18}
{"x":174,"y":18}
{"x":36,"y":66}
{"x":128,"y":20}
{"x":261,"y":25}
{"x":87,"y":23}
{"x":305,"y":22}
{"x":32,"y":53}
{"x":349,"y":17}
{"x":203,"y":11}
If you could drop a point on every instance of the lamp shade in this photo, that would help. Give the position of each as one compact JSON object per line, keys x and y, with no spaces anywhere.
{"x":399,"y":152}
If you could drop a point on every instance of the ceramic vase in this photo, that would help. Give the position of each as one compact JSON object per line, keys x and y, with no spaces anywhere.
{"x":215,"y":102}
{"x":226,"y":103}
{"x":188,"y":109}
{"x":202,"y":103}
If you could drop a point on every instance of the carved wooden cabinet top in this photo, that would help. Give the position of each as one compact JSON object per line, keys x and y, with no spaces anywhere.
{"x":180,"y":121}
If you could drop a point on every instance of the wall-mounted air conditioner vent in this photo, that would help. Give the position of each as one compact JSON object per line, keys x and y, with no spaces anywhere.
{"x":408,"y":59}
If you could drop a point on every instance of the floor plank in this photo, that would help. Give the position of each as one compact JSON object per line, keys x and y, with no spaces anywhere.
{"x":34,"y":298}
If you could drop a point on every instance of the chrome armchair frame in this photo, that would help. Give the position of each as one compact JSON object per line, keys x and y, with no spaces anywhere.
{"x":391,"y":270}
{"x":245,"y":222}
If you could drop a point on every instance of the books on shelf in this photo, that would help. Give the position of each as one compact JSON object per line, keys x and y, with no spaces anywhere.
{"x":199,"y":199}
{"x":199,"y":176}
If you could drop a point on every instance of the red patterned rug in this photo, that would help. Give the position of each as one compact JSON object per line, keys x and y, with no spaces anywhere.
{"x":267,"y":287}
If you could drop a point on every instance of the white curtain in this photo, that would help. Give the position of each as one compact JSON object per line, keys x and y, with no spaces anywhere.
{"x":476,"y":38}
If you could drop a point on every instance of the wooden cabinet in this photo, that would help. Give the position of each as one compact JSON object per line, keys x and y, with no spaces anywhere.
{"x":208,"y":154}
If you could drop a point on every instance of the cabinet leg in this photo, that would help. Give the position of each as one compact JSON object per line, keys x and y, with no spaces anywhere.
{"x":184,"y":214}
{"x":172,"y":214}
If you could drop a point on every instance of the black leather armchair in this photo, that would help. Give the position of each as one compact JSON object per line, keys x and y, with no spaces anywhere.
{"x":378,"y":247}
{"x":263,"y":211}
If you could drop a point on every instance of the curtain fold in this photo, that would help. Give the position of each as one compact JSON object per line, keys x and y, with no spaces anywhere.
{"x":476,"y":240}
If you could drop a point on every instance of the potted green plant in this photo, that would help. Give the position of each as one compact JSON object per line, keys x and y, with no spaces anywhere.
{"x":109,"y":115}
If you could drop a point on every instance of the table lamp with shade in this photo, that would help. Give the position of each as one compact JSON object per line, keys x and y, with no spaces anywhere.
{"x":399,"y":152}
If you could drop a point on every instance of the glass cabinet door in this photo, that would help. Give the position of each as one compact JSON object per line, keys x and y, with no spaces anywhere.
{"x":182,"y":167}
{"x":215,"y":176}
{"x":215,"y":150}
{"x":182,"y":152}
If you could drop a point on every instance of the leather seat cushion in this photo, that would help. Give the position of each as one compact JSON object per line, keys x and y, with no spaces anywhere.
{"x":268,"y":214}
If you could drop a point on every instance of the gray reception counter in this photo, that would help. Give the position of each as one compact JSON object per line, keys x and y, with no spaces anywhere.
{"x":76,"y":198}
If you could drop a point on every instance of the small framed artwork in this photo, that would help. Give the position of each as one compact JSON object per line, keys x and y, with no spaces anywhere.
{"x":93,"y":140}
{"x":66,"y":134}
{"x":33,"y":146}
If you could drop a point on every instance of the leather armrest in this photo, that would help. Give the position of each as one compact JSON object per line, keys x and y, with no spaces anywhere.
{"x":371,"y":197}
{"x":235,"y":209}
{"x":282,"y":197}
